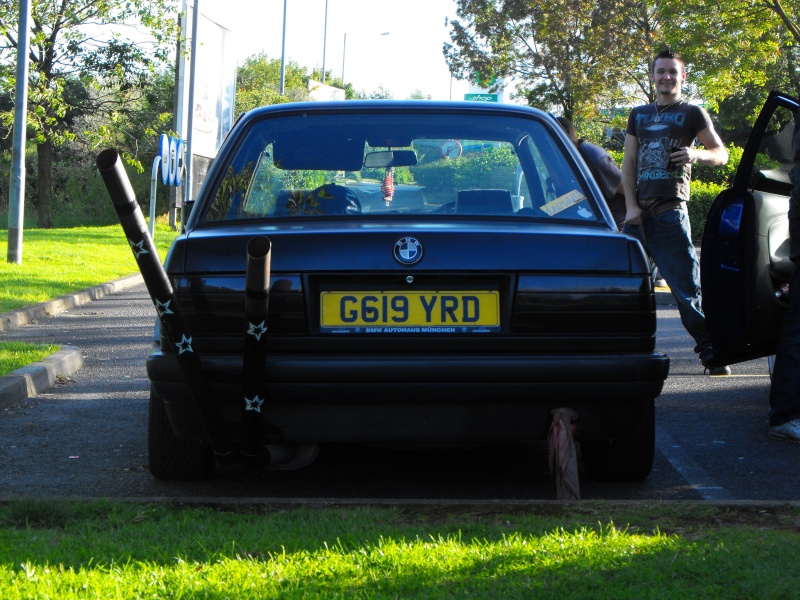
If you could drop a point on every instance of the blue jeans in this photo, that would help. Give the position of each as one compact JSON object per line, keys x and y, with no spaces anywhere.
{"x":667,"y":236}
{"x":784,"y":395}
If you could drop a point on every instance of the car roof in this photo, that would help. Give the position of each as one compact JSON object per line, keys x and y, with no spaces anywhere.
{"x":406,"y":106}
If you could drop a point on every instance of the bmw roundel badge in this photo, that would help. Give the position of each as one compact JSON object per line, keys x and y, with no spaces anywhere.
{"x":408,"y":251}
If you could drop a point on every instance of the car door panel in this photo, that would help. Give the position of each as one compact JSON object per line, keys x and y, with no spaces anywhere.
{"x":745,"y":253}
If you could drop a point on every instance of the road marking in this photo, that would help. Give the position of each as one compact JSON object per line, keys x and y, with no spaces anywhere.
{"x":693,"y":473}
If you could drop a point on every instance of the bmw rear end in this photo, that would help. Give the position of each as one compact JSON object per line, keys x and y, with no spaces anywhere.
{"x":439,"y":273}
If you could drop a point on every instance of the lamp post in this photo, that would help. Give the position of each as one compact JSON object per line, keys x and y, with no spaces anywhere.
{"x":324,"y":41}
{"x":344,"y":52}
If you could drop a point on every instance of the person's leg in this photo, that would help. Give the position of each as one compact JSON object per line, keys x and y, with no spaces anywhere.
{"x":784,"y":396}
{"x":669,"y":242}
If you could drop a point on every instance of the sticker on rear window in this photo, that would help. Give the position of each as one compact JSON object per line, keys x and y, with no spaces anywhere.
{"x":563,"y":202}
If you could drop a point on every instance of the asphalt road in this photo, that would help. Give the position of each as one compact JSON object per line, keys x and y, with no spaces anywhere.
{"x":86,"y":436}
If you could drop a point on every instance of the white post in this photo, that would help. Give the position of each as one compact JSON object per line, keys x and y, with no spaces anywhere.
{"x":190,"y":111}
{"x":153,"y":180}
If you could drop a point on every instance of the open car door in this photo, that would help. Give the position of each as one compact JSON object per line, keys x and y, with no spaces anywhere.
{"x":744,"y":262}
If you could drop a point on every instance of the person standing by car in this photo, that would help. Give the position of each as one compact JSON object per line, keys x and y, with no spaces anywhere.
{"x":784,"y":395}
{"x":604,"y":170}
{"x":656,"y":173}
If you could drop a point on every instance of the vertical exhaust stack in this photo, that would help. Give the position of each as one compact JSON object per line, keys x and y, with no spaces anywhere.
{"x":257,"y":276}
{"x":165,"y":301}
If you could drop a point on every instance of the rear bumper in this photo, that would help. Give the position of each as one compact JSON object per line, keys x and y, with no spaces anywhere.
{"x":424,"y":398}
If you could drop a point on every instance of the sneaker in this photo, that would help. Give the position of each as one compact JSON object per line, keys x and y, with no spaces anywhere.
{"x":722,"y":371}
{"x":789,"y":431}
{"x":706,"y":355}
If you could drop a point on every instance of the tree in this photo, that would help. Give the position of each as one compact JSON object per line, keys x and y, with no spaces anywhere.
{"x":565,"y":55}
{"x":754,"y":46}
{"x":574,"y":57}
{"x":258,"y":83}
{"x":81,"y":63}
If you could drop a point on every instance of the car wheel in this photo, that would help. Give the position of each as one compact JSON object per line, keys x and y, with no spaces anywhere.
{"x":625,"y":459}
{"x":170,"y":457}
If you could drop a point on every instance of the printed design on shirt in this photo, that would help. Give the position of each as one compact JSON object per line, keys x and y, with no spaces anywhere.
{"x":654,"y":150}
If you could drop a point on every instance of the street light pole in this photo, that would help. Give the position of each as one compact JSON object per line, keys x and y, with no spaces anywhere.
{"x":344,"y":52}
{"x":283,"y":51}
{"x":16,"y":191}
{"x":324,"y":41}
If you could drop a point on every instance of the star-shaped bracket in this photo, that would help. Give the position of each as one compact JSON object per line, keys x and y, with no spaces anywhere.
{"x":257,"y":330}
{"x":253,"y":404}
{"x":185,"y":345}
{"x":162,"y":308}
{"x":138,"y":248}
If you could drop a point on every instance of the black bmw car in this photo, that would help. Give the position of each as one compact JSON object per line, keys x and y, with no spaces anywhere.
{"x":407,"y":273}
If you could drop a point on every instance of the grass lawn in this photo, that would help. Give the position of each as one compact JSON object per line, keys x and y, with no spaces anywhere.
{"x":14,"y":355}
{"x":58,"y":549}
{"x":56,"y":262}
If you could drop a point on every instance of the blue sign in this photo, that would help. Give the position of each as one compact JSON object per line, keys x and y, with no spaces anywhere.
{"x":171,"y":151}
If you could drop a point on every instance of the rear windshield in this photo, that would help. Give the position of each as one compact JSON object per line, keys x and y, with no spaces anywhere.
{"x":357,"y":166}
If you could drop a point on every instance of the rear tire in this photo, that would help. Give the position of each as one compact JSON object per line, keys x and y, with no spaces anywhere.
{"x":626,"y":459}
{"x":171,"y":458}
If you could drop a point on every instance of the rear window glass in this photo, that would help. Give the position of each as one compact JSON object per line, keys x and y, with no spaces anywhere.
{"x":357,"y":166}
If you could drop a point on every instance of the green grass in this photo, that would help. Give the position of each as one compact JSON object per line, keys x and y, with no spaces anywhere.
{"x":56,"y":262}
{"x":14,"y":355}
{"x":58,"y":549}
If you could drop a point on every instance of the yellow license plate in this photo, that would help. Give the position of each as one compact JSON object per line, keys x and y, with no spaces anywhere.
{"x":426,"y":311}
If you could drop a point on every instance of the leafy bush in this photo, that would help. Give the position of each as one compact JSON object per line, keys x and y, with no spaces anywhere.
{"x":489,"y":168}
{"x":402,"y":175}
{"x":617,"y":155}
{"x":702,"y":197}
{"x":720,"y":175}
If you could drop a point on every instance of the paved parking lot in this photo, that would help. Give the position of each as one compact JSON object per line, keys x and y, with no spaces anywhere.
{"x":86,"y":435}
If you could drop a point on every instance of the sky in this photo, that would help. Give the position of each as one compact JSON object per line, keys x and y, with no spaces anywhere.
{"x":409,"y":58}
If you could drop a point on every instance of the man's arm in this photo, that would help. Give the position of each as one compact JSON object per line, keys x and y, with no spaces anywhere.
{"x":713,"y":153}
{"x":629,"y":167}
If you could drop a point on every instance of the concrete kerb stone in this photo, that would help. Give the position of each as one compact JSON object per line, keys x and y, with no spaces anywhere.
{"x":37,"y":377}
{"x":23,"y":316}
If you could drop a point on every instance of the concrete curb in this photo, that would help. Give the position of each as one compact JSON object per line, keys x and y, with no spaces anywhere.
{"x":664,"y":297}
{"x":22,"y":316}
{"x":37,"y":377}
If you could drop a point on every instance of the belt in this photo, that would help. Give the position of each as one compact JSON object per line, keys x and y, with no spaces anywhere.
{"x":658,"y":206}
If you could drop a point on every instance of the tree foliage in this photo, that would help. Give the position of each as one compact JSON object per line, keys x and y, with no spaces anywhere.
{"x":754,"y":45}
{"x":573,"y":57}
{"x":83,"y":61}
{"x":563,"y":54}
{"x":258,"y":83}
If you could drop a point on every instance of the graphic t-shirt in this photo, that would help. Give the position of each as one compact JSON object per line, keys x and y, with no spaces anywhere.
{"x":675,"y":127}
